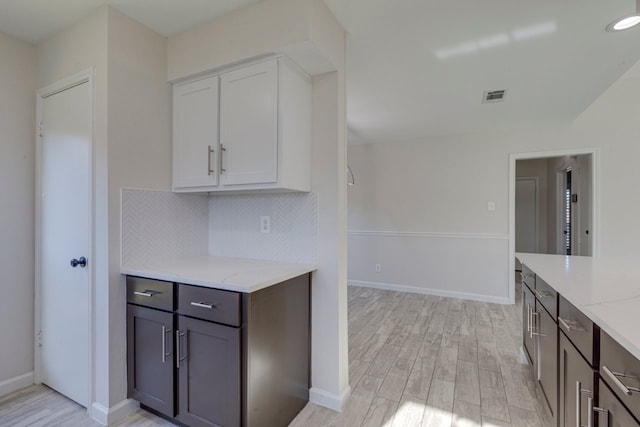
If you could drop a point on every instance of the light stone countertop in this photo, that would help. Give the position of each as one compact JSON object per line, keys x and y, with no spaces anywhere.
{"x":606,"y":290}
{"x":232,"y":274}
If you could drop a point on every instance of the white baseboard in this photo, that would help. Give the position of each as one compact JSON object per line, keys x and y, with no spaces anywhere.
{"x":329,"y":400}
{"x":108,"y":416}
{"x":16,"y":383}
{"x":429,"y":291}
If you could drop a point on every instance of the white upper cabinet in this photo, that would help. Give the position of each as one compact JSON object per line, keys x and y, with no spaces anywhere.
{"x":195,"y":134}
{"x":249,"y":125}
{"x":263,"y":125}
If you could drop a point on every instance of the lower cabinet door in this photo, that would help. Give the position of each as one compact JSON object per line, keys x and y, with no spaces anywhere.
{"x":528,"y":342}
{"x":612,"y":412}
{"x":150,"y":361}
{"x":548,"y":358}
{"x":576,"y":385}
{"x":208,"y":373}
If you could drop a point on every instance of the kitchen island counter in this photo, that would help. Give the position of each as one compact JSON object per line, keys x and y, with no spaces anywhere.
{"x":605,"y":290}
{"x":232,"y":274}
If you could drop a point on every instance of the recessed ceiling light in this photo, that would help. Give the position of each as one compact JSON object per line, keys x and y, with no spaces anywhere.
{"x":624,"y":23}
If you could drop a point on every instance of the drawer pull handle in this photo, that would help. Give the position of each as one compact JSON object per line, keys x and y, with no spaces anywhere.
{"x":571,"y":325}
{"x":615,"y":378}
{"x":202,"y":305}
{"x":146,"y":293}
{"x":544,"y":294}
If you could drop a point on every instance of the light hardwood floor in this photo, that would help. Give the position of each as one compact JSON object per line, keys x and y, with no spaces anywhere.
{"x":414,"y":360}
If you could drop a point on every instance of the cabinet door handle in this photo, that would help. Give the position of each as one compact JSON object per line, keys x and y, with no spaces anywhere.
{"x":179,"y":359}
{"x":146,"y":293}
{"x":210,"y":151}
{"x":531,"y":333}
{"x":571,"y":325}
{"x":528,"y":318}
{"x":202,"y":305}
{"x":615,"y":379}
{"x":579,"y":391}
{"x":222,"y":151}
{"x":165,"y":331}
{"x":600,"y":411}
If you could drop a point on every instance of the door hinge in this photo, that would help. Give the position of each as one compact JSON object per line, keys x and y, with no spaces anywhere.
{"x":39,"y":339}
{"x":41,"y":131}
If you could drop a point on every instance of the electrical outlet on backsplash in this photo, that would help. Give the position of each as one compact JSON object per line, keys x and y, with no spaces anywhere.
{"x":234,"y":226}
{"x":161,"y":225}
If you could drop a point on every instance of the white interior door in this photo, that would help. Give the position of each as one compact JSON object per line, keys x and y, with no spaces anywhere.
{"x":65,"y":227}
{"x":526,"y":215}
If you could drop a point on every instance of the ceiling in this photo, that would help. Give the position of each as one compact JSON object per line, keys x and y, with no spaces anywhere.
{"x":418,"y":68}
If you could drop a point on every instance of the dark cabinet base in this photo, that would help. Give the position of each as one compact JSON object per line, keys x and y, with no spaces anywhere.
{"x":223,"y":374}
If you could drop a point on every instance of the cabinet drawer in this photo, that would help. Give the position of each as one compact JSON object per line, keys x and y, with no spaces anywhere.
{"x":616,"y":414}
{"x":547,"y":296}
{"x":209,"y":304}
{"x":579,"y":329}
{"x":620,"y":369}
{"x":150,"y":293}
{"x":528,"y":277}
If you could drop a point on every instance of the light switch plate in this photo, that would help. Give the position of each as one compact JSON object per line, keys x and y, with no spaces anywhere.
{"x":491,"y":206}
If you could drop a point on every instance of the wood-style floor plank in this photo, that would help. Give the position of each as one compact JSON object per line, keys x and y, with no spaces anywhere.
{"x":414,"y":361}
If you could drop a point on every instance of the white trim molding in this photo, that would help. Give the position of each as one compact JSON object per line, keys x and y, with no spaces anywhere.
{"x":118,"y":412}
{"x":329,"y":400}
{"x":430,"y":291}
{"x":16,"y":383}
{"x":428,"y":234}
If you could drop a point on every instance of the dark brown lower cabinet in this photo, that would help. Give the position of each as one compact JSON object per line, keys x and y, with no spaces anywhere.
{"x":547,"y":356}
{"x":208,"y":373}
{"x":219,"y":358}
{"x":528,"y":307}
{"x":150,"y":360}
{"x":613,"y":413}
{"x":576,"y":385}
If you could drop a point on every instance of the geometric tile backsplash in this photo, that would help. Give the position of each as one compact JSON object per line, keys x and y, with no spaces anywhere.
{"x":159,"y":225}
{"x":234,"y":226}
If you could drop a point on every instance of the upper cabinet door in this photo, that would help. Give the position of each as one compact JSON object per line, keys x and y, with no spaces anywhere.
{"x":249,"y":125}
{"x":195,"y":134}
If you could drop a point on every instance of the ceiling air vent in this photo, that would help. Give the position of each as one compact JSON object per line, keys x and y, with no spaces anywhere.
{"x":494,"y":96}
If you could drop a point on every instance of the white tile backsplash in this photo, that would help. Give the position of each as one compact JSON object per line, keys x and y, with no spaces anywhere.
{"x":234,"y":226}
{"x":160,"y":225}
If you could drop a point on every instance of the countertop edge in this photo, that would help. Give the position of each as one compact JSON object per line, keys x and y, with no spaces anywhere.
{"x":191,"y":280}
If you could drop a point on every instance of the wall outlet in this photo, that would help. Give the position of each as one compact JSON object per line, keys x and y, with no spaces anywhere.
{"x":265,"y":224}
{"x":491,"y":206}
{"x":378,"y":268}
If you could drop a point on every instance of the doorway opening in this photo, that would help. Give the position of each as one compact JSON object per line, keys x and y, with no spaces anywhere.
{"x":552,"y":198}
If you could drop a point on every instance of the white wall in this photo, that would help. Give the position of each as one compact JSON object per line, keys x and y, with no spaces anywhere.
{"x":139,"y":154}
{"x":17,"y":154}
{"x":442,"y":185}
{"x":132,"y":146}
{"x":307,"y":30}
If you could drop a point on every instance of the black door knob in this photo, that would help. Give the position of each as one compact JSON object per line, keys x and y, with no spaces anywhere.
{"x":82,"y":262}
